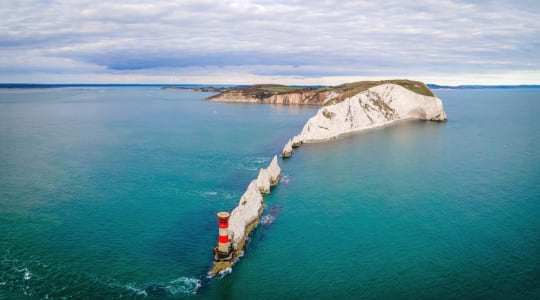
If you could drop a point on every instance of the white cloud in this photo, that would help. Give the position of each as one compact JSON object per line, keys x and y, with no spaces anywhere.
{"x":263,"y":40}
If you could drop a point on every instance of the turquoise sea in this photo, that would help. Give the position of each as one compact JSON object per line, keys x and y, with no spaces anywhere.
{"x":111,"y":192}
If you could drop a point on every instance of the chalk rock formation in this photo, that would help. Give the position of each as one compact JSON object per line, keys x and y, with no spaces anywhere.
{"x":274,"y":171}
{"x":287,"y":149}
{"x":263,"y":182}
{"x":248,"y":211}
{"x":245,"y":217}
{"x":251,"y":203}
{"x":296,"y":142}
{"x":377,"y":106}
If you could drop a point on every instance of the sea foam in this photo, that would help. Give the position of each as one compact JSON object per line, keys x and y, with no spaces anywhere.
{"x":184,"y":285}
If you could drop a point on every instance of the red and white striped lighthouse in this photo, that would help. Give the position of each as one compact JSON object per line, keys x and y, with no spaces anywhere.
{"x":223,"y":248}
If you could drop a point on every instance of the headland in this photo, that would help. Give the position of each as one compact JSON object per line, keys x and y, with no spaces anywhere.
{"x":344,"y":109}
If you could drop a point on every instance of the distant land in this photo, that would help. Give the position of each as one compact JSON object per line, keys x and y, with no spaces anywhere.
{"x":221,"y":87}
{"x":301,"y":95}
{"x":83,"y":85}
{"x":465,"y":87}
{"x":207,"y":89}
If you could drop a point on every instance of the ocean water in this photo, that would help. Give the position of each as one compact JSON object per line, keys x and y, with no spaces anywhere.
{"x":111,"y":192}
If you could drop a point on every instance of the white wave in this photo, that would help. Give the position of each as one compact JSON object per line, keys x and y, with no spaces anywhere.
{"x":261,"y":160}
{"x":247,"y":167}
{"x":136,"y":290}
{"x":184,"y":285}
{"x":27,"y":275}
{"x":3,"y":283}
{"x":225,"y":272}
{"x":267,"y":219}
{"x":228,"y":196}
{"x":254,"y":164}
{"x":209,"y":193}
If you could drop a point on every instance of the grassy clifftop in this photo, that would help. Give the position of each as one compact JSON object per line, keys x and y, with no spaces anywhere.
{"x":264,"y":91}
{"x":360,"y":86}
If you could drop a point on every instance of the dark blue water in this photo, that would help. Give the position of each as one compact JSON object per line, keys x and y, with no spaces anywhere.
{"x":111,"y":192}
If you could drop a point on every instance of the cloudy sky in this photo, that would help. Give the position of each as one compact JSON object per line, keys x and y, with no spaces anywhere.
{"x":295,"y":42}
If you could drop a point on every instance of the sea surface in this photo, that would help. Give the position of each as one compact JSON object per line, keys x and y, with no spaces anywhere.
{"x":111,"y":192}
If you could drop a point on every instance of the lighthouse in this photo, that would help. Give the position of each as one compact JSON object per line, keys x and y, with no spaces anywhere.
{"x":223,"y":251}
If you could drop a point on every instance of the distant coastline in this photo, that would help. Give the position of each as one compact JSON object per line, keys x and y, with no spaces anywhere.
{"x":206,"y":89}
{"x":474,"y":86}
{"x":198,"y":87}
{"x":222,"y":87}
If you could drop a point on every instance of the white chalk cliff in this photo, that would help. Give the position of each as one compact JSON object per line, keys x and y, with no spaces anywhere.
{"x":251,"y":203}
{"x":263,"y":182}
{"x":274,"y":171}
{"x":287,"y":150}
{"x":247,"y":212}
{"x":377,"y":106}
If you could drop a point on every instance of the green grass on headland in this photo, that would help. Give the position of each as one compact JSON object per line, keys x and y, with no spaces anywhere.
{"x":282,"y":88}
{"x":264,"y":91}
{"x":360,"y":86}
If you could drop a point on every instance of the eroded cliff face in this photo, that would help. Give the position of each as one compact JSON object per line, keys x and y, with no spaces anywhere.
{"x":378,"y":106}
{"x":302,"y":97}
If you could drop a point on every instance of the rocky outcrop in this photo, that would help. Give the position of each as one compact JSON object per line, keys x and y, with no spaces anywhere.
{"x":251,"y":203}
{"x":245,"y":217}
{"x":274,"y":171}
{"x":377,"y":106}
{"x":287,"y":149}
{"x":263,"y":182}
{"x":296,"y":141}
{"x":269,"y":177}
{"x":248,"y":211}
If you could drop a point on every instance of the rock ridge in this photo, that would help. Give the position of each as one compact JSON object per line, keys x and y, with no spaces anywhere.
{"x":245,"y":216}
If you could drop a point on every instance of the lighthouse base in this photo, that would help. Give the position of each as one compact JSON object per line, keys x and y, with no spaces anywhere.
{"x":223,"y":256}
